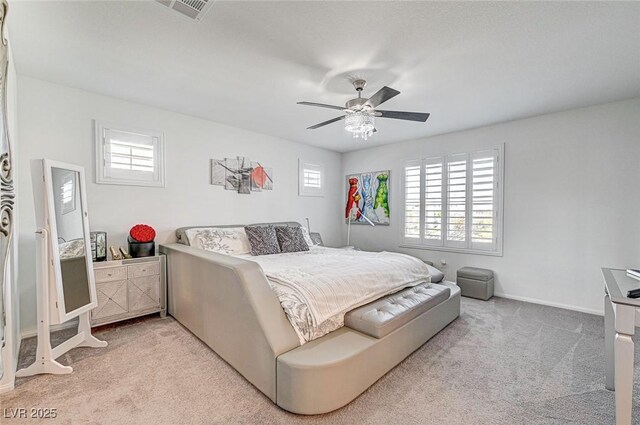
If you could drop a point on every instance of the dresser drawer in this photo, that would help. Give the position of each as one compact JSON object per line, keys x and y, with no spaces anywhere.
{"x":143,"y":269}
{"x":143,"y":293}
{"x":112,"y":299}
{"x":107,"y":274}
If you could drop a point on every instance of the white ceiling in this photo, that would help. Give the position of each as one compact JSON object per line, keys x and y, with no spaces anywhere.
{"x":247,"y":63}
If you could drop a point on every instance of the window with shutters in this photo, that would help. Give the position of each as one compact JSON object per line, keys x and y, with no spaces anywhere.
{"x":311,"y":179}
{"x":412,"y":201}
{"x":454,"y":202}
{"x":129,"y":156}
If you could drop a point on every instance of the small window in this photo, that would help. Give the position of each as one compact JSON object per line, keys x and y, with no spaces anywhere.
{"x":129,"y":156}
{"x":453,"y":202}
{"x":311,"y":180}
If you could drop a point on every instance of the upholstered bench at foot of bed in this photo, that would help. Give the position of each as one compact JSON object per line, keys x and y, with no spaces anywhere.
{"x":387,"y":314}
{"x":327,"y":373}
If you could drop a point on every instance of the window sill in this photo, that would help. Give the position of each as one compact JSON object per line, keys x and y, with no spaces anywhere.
{"x":450,"y":249}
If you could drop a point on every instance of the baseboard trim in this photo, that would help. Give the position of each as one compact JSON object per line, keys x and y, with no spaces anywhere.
{"x":550,"y":304}
{"x":30,"y":333}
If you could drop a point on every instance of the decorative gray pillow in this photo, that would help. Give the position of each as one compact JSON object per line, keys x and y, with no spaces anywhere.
{"x":291,"y":239}
{"x":263,"y":239}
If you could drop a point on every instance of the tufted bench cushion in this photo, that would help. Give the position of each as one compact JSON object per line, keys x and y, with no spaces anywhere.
{"x":387,"y":314}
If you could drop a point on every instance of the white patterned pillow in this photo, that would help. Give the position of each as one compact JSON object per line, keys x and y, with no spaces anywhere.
{"x":229,"y":240}
{"x":307,"y":236}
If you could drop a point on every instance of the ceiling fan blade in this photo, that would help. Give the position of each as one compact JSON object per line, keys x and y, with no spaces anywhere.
{"x":321,"y":105}
{"x":313,"y":127}
{"x":399,"y":115}
{"x":382,"y":96}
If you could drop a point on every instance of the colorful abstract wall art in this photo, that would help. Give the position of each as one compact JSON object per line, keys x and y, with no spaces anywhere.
{"x":241,"y":175}
{"x":368,"y":194}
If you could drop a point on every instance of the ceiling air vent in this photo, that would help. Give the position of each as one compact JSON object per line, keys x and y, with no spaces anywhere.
{"x":194,"y":9}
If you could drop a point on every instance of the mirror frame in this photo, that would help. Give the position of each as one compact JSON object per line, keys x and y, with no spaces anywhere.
{"x":54,"y":253}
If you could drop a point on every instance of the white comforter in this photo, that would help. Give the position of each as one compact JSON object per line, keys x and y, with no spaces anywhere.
{"x":317,"y":287}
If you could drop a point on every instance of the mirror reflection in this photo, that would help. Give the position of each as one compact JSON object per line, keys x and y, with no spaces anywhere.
{"x":71,"y":246}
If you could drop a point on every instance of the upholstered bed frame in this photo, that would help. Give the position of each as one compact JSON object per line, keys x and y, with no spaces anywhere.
{"x":227,"y":303}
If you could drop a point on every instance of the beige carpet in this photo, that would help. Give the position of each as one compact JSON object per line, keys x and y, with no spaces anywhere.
{"x":501,"y":362}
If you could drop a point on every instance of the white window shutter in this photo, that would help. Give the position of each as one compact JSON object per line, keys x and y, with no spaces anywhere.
{"x":433,"y":201}
{"x":484,"y":188}
{"x":456,"y":225}
{"x":311,"y":179}
{"x":412,"y":201}
{"x":129,"y":156}
{"x":454,"y":203}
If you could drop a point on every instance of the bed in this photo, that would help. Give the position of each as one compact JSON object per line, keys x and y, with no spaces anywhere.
{"x":231,"y":304}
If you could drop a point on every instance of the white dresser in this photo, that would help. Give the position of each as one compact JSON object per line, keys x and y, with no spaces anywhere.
{"x":129,"y":288}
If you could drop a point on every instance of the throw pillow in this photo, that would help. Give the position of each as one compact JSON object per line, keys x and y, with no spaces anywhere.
{"x":307,"y":236}
{"x":436,"y":275}
{"x":263,"y":239}
{"x":223,"y":240}
{"x":291,"y":239}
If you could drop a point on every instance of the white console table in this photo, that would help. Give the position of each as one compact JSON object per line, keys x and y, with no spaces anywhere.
{"x":621,"y":316}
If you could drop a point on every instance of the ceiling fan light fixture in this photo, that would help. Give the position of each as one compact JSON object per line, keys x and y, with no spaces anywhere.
{"x":360,"y":123}
{"x":360,"y":113}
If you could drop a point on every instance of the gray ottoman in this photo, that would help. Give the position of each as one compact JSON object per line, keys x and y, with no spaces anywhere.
{"x":475,"y":282}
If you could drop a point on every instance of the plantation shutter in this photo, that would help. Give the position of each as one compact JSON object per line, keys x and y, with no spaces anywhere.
{"x":130,"y":155}
{"x":454,"y":202}
{"x":433,"y":201}
{"x":484,"y":187}
{"x":312,"y":178}
{"x":412,"y":201}
{"x":456,"y":224}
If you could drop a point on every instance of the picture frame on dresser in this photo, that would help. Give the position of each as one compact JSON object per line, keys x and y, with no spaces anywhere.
{"x":129,"y":288}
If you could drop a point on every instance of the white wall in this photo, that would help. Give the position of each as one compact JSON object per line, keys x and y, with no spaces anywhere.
{"x":56,"y":123}
{"x":572,"y":201}
{"x":571,"y":188}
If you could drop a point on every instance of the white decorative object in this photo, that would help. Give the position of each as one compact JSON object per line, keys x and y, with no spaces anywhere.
{"x":65,"y":287}
{"x":129,"y":288}
{"x":128,"y":155}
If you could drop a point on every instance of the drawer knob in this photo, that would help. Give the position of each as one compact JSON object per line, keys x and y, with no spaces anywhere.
{"x":109,"y":274}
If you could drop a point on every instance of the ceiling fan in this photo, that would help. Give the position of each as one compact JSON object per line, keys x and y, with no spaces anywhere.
{"x":360,"y":113}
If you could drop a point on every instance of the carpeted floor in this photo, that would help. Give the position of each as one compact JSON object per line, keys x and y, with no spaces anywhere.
{"x":501,"y":362}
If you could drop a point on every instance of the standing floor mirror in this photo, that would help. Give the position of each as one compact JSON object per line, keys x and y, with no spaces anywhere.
{"x":65,"y":283}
